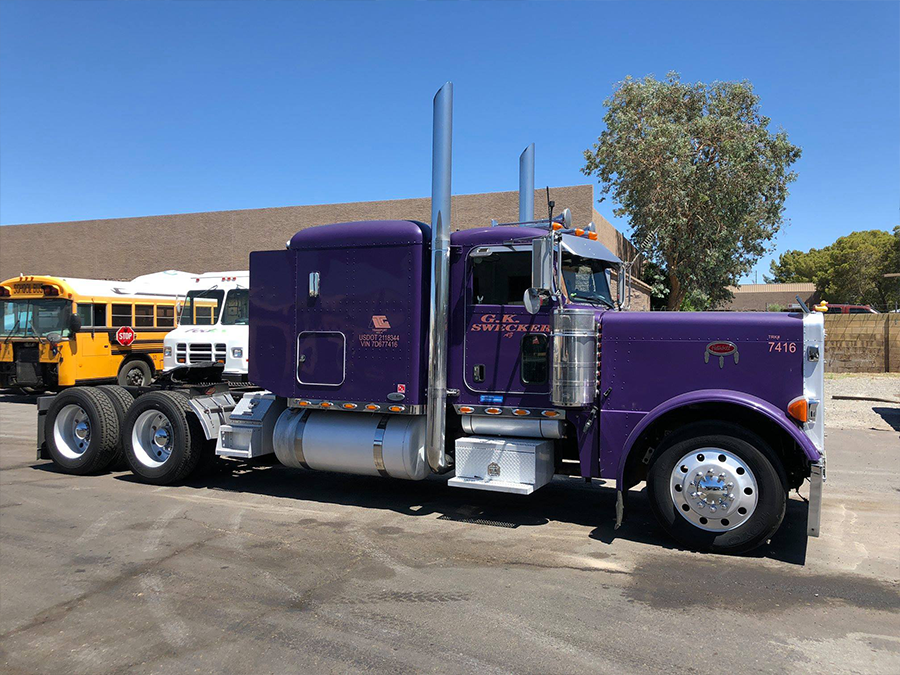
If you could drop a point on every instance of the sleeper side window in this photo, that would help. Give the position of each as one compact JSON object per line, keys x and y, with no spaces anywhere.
{"x":100,"y":316}
{"x":501,"y":278}
{"x":535,"y":358}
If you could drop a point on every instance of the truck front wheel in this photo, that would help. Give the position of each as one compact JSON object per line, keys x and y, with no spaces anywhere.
{"x":717,"y":487}
{"x":162,"y":439}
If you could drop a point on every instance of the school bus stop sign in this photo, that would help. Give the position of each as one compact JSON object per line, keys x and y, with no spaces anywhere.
{"x":125,"y":336}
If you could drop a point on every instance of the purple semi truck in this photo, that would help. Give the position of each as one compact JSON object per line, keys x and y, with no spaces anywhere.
{"x":500,"y":357}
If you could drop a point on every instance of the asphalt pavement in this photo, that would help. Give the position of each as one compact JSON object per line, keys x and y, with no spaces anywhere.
{"x":266,"y":569}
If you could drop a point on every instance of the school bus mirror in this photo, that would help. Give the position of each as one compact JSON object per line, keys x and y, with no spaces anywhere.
{"x":74,"y":323}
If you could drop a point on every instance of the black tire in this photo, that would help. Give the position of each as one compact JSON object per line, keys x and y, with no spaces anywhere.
{"x":186,"y":436}
{"x":99,"y":448}
{"x":134,"y":373}
{"x":121,"y":400}
{"x":749,"y":450}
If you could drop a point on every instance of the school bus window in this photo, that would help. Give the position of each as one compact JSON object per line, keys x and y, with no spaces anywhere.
{"x":99,"y":316}
{"x":143,"y":315}
{"x":165,"y":316}
{"x":86,"y":314}
{"x":121,"y":315}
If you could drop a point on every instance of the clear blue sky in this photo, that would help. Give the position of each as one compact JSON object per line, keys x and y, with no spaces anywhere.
{"x":112,"y":109}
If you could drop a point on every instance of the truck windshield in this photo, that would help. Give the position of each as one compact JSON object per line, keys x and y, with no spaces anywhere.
{"x":201,"y":308}
{"x":237,"y":308}
{"x":36,"y":317}
{"x":585,"y":279}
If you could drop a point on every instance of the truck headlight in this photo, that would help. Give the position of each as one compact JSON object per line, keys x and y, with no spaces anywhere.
{"x":167,"y":351}
{"x":237,"y":352}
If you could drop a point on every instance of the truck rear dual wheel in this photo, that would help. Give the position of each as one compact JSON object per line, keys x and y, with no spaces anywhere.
{"x":717,"y":487}
{"x":163,"y":441}
{"x":121,"y":401}
{"x":82,"y":430}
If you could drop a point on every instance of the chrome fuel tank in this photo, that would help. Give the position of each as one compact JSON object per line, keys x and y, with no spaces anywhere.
{"x":574,"y":374}
{"x":369,"y":445}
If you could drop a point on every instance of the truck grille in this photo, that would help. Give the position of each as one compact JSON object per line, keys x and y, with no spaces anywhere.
{"x":201,"y":352}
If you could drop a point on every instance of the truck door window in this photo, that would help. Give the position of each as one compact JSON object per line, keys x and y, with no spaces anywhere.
{"x":237,"y":308}
{"x":86,"y":314}
{"x":121,"y":315}
{"x":501,"y":278}
{"x":534,"y":358}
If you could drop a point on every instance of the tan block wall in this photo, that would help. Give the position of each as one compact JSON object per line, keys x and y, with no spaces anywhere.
{"x":123,"y":248}
{"x":862,"y":343}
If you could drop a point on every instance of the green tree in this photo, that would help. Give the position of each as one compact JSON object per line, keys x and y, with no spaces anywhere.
{"x":851,"y":270}
{"x":699,"y":175}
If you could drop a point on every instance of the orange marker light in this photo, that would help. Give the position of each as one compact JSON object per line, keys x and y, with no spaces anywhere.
{"x":303,"y":404}
{"x":466,"y":410}
{"x":349,"y":406}
{"x":371,"y":406}
{"x":592,"y":236}
{"x":579,"y":232}
{"x":396,"y":408}
{"x":799,"y":409}
{"x":557,"y":226}
{"x":326,"y":404}
{"x":493,"y":411}
{"x":520,"y":412}
{"x":550,"y":413}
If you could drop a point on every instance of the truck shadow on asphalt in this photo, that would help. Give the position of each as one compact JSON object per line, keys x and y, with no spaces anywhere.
{"x":564,"y":500}
{"x":889,"y":415}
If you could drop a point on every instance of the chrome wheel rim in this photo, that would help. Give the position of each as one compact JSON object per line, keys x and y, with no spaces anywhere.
{"x":152,"y":438}
{"x":713,"y":489}
{"x":72,"y":431}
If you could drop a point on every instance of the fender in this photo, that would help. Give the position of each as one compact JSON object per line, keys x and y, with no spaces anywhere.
{"x":718,"y":396}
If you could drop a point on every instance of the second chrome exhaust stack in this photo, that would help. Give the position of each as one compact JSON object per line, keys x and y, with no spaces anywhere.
{"x":436,"y":408}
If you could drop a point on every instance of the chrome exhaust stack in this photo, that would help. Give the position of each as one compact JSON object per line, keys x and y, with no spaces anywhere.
{"x":436,"y":408}
{"x":526,"y":185}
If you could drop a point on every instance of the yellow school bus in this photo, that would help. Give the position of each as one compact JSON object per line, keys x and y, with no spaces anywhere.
{"x":59,"y":332}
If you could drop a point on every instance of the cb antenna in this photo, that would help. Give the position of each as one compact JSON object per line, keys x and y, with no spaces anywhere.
{"x":550,"y":205}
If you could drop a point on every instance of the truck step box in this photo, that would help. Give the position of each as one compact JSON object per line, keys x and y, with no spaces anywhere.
{"x":250,"y":427}
{"x":515,"y":465}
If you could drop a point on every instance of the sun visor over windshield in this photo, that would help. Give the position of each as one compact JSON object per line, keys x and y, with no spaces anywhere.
{"x":586,"y":248}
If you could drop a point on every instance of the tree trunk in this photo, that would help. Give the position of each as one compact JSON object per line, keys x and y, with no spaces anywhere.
{"x":676,"y":295}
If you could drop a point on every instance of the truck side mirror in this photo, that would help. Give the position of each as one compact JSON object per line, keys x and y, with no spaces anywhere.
{"x":74,"y":323}
{"x":542,"y":263}
{"x":534,"y":298}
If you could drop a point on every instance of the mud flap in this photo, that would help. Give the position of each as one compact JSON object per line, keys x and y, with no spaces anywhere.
{"x":814,"y":517}
{"x":620,"y":508}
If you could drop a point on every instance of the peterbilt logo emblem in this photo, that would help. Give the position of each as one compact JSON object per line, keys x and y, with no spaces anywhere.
{"x":721,"y":349}
{"x":379,"y":323}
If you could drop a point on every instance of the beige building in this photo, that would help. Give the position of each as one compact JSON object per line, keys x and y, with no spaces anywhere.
{"x":123,"y":248}
{"x":771,"y":297}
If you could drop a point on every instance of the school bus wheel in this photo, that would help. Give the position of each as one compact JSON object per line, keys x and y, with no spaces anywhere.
{"x":83,"y":431}
{"x":134,"y":373}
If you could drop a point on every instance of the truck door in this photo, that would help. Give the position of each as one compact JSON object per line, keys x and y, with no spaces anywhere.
{"x":506,"y":348}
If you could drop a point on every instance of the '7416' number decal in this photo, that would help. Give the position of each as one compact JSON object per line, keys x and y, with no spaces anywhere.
{"x":787,"y":347}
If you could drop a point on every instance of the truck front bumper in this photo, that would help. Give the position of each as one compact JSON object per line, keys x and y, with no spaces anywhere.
{"x":816,"y":481}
